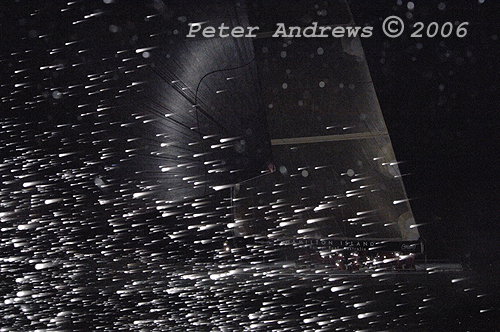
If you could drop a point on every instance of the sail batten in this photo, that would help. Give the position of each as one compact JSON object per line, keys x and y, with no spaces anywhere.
{"x":326,"y":138}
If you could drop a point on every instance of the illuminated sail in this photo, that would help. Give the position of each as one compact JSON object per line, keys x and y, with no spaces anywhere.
{"x":199,"y":117}
{"x":337,"y":177}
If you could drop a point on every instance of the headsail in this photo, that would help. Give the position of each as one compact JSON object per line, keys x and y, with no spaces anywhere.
{"x":337,"y":177}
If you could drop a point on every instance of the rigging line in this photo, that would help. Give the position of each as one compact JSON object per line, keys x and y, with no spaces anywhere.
{"x":198,"y":109}
{"x":181,"y":88}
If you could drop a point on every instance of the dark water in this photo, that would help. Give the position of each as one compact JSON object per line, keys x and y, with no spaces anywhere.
{"x":151,"y":296}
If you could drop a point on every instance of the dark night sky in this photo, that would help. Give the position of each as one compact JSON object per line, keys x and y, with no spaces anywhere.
{"x":440,"y":102}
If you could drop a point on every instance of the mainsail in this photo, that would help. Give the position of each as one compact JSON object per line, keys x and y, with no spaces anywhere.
{"x":337,"y":179}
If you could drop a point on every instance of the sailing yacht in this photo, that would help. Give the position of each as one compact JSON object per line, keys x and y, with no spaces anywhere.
{"x":334,"y":193}
{"x":292,"y":126}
